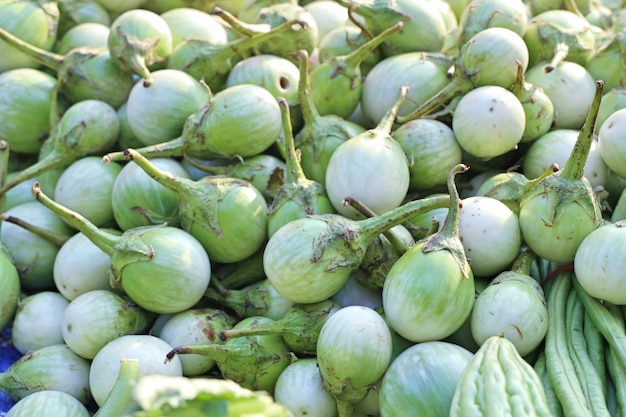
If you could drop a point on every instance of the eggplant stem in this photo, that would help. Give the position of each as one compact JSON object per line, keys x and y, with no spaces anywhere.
{"x":560,"y":54}
{"x":448,"y":237}
{"x":374,"y":226}
{"x":345,"y":408}
{"x":358,"y":205}
{"x":524,"y":260}
{"x":103,"y":240}
{"x":219,"y":287}
{"x":386,"y":123}
{"x":163,"y":177}
{"x":366,"y":32}
{"x":575,"y":166}
{"x":240,"y":26}
{"x":239,"y":45}
{"x":51,"y":161}
{"x":161,"y":150}
{"x":48,"y":59}
{"x":51,"y":237}
{"x":293,"y":169}
{"x":307,"y":107}
{"x":456,"y":87}
{"x":121,"y":393}
{"x":355,"y":57}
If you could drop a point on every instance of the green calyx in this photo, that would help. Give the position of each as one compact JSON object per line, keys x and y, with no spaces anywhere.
{"x":568,"y":186}
{"x":136,"y":54}
{"x":520,"y":272}
{"x":252,"y":361}
{"x":377,"y":14}
{"x":206,"y":60}
{"x":320,"y":135}
{"x":252,"y":300}
{"x":296,"y":186}
{"x":129,"y":250}
{"x":551,"y":41}
{"x":339,"y":243}
{"x":559,"y":194}
{"x":514,"y":186}
{"x":204,"y":208}
{"x":300,"y":326}
{"x":200,"y":200}
{"x":341,"y":76}
{"x":63,"y":149}
{"x":344,"y":242}
{"x":448,"y":237}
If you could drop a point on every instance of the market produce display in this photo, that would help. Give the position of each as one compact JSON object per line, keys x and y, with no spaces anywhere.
{"x":321,"y":208}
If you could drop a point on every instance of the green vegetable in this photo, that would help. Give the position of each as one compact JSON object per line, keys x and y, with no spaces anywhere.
{"x":87,"y":127}
{"x":478,"y":15}
{"x":558,"y":34}
{"x":264,"y":171}
{"x":336,"y":84}
{"x":87,"y":73}
{"x":167,"y":396}
{"x":300,"y":326}
{"x":138,"y":200}
{"x":121,"y":394}
{"x":525,"y":325}
{"x":257,"y":299}
{"x":538,"y":107}
{"x":36,"y":323}
{"x":300,"y":388}
{"x":431,"y":149}
{"x":598,"y":263}
{"x":422,"y":380}
{"x":161,"y":268}
{"x":53,"y":367}
{"x":587,"y":375}
{"x":562,"y":208}
{"x":139,"y":39}
{"x":195,"y":326}
{"x":254,"y":361}
{"x":298,"y":196}
{"x":48,"y":403}
{"x":228,"y":216}
{"x":499,"y":382}
{"x":149,"y":350}
{"x":239,"y":121}
{"x":350,"y":338}
{"x":560,"y":367}
{"x":607,"y":324}
{"x":429,"y":291}
{"x":35,"y":22}
{"x":212,"y":62}
{"x":157,"y":113}
{"x":32,"y":254}
{"x":489,"y":58}
{"x":425,"y":26}
{"x":25,"y":107}
{"x":553,"y":402}
{"x":570,"y":88}
{"x":97,"y":317}
{"x":10,"y":284}
{"x":370,"y":167}
{"x":304,"y":36}
{"x":85,"y":186}
{"x":310,"y":259}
